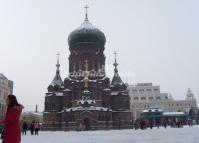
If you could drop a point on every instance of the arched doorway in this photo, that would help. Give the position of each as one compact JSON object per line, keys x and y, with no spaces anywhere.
{"x":86,"y":122}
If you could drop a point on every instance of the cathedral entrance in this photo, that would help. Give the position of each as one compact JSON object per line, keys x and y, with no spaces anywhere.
{"x":86,"y":122}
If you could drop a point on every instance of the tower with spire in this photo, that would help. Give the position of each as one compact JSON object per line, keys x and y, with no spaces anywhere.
{"x":86,"y":95}
{"x":57,"y":82}
{"x":119,"y":93}
{"x":116,"y":78}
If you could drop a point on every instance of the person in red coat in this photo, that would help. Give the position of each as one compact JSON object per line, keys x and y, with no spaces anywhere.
{"x":12,"y":129}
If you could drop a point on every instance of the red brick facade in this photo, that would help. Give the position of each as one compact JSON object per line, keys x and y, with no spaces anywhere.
{"x":100,"y":105}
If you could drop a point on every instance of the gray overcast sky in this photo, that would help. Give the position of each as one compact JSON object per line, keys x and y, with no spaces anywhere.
{"x":157,"y":41}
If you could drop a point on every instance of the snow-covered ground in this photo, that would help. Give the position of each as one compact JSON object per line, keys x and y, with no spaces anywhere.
{"x":168,"y":135}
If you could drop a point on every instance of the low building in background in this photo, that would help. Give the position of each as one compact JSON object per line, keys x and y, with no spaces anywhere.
{"x":32,"y":116}
{"x":146,"y":95}
{"x":157,"y":117}
{"x":6,"y":88}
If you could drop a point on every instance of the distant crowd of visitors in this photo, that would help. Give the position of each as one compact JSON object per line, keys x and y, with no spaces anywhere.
{"x":143,"y":124}
{"x":34,"y":128}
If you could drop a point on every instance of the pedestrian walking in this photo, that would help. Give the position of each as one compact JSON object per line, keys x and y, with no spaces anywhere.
{"x":12,"y":130}
{"x":24,"y":128}
{"x":32,"y":128}
{"x":36,"y":127}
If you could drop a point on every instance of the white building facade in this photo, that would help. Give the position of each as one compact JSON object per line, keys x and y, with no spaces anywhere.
{"x":6,"y":88}
{"x":146,"y":95}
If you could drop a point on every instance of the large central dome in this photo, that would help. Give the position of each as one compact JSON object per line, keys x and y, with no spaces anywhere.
{"x":86,"y":33}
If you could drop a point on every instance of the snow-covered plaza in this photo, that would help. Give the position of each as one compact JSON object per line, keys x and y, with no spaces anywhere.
{"x":168,"y":135}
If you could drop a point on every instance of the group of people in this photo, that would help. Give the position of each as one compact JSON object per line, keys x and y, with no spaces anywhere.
{"x":143,"y":124}
{"x":34,"y":128}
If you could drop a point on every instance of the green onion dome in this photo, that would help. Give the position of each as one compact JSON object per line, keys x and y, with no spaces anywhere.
{"x":86,"y":33}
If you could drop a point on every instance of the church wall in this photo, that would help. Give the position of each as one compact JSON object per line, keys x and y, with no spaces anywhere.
{"x":52,"y":121}
{"x":53,"y":103}
{"x":106,"y":98}
{"x":98,"y":119}
{"x":66,"y":100}
{"x":122,"y":119}
{"x":120,"y":102}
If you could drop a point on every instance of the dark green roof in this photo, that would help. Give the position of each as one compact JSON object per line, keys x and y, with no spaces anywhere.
{"x":57,"y":79}
{"x":116,"y":79}
{"x":86,"y":33}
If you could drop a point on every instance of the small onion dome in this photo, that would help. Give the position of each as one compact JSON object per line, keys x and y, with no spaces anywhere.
{"x":117,"y":80}
{"x":86,"y":33}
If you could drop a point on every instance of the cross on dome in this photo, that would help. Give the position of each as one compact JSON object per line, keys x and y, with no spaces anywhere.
{"x":86,"y":7}
{"x":115,"y":63}
{"x":58,"y":65}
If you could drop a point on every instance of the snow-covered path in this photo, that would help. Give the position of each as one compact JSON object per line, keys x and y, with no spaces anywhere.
{"x":169,"y":135}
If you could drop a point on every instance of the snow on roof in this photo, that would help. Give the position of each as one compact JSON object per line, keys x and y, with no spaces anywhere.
{"x":59,"y":93}
{"x":122,"y":111}
{"x":114,"y":93}
{"x":56,"y":93}
{"x":92,"y":80}
{"x":173,"y":113}
{"x":91,"y":108}
{"x":86,"y":91}
{"x":106,"y":89}
{"x":89,"y":101}
{"x":124,"y":93}
{"x":78,"y":80}
{"x":46,"y":112}
{"x":49,"y":94}
{"x":67,"y":89}
{"x":152,"y":110}
{"x":119,"y":93}
{"x":86,"y":25}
